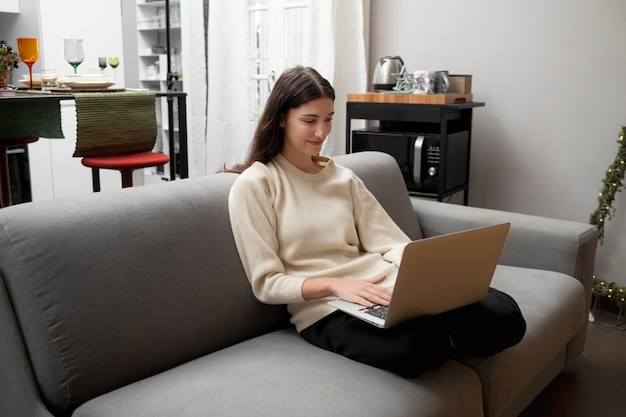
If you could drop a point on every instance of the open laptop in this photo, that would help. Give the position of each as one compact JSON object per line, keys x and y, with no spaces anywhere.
{"x":438,"y":274}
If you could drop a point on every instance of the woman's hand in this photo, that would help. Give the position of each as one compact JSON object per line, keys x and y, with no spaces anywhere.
{"x":366,"y":292}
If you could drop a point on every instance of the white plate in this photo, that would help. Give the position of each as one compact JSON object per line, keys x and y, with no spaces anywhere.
{"x":26,"y":82}
{"x":86,"y":78}
{"x":87,"y":85}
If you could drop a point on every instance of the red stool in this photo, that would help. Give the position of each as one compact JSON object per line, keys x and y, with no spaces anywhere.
{"x":126,"y":164}
{"x":5,"y":183}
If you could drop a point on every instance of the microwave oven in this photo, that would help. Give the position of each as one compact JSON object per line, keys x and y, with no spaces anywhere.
{"x":419,"y":155}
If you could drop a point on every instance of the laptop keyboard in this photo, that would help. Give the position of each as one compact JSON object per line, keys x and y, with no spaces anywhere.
{"x":377,"y":311}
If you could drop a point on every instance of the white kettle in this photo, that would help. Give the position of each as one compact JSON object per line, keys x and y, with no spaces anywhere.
{"x":383,"y":79}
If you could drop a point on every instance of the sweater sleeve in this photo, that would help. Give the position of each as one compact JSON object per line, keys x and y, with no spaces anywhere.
{"x":253,"y":222}
{"x":378,"y":233}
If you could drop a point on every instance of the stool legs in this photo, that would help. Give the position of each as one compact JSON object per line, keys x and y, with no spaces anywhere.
{"x":127,"y":179}
{"x":95,"y":179}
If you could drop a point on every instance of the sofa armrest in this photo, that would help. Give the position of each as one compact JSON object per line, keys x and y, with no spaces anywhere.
{"x":20,"y":396}
{"x":533,"y":242}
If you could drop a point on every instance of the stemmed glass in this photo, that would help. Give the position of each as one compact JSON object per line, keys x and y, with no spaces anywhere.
{"x":29,"y":53}
{"x":114,"y":62}
{"x":74,"y":54}
{"x":102,"y":63}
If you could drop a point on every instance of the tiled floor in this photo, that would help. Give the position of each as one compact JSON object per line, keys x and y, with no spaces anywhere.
{"x":595,"y":383}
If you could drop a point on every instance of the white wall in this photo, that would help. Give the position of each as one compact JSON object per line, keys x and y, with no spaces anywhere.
{"x":551,"y":74}
{"x":98,"y":23}
{"x":24,"y":24}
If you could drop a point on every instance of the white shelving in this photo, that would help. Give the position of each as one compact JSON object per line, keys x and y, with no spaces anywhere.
{"x":151,"y":43}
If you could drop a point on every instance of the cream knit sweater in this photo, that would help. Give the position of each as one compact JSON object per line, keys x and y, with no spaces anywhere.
{"x":290,"y":225}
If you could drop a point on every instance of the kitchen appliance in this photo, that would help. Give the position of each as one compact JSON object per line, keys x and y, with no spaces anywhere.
{"x":383,"y":80}
{"x":424,"y":164}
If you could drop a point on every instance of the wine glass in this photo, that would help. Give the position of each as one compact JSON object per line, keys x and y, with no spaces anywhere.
{"x":114,"y":62}
{"x":29,"y":53}
{"x":102,"y":63}
{"x":74,"y":54}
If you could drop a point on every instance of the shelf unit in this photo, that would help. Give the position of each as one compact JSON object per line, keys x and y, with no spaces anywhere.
{"x":152,"y":63}
{"x":450,"y":124}
{"x":151,"y":43}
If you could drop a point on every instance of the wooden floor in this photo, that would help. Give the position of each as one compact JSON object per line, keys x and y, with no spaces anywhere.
{"x":595,"y":383}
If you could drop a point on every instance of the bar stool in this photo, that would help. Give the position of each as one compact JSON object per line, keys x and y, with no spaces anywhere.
{"x":126,"y":164}
{"x":5,"y":183}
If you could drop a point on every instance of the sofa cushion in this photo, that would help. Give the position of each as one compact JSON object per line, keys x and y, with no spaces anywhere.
{"x":279,"y":374}
{"x":553,"y":306}
{"x":113,"y":287}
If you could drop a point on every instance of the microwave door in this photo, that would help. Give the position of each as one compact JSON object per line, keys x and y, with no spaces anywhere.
{"x":418,"y":146}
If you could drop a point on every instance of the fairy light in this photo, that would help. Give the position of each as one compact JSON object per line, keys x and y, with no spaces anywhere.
{"x":612,"y":184}
{"x":609,"y":290}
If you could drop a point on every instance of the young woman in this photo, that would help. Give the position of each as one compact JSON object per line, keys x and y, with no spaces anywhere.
{"x":308,"y":231}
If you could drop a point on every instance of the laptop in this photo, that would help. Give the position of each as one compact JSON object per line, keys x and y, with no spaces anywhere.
{"x":438,"y":274}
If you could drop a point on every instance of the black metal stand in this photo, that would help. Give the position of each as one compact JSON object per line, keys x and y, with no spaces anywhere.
{"x":171,"y":78}
{"x":439,"y":119}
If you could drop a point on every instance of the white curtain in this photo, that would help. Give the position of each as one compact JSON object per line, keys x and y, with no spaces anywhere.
{"x":195,"y":82}
{"x":229,"y":124}
{"x":337,"y":51}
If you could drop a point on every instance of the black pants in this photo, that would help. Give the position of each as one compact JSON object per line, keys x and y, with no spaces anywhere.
{"x":409,"y":348}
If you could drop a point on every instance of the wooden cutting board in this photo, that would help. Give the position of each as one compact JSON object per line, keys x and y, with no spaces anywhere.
{"x":408,"y":98}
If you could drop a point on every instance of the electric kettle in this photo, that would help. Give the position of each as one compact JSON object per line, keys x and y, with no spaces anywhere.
{"x":383,"y":78}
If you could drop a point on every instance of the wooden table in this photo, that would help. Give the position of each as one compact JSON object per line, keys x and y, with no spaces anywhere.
{"x":30,"y":130}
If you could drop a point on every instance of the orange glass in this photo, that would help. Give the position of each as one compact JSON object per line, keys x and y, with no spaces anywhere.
{"x":29,"y":53}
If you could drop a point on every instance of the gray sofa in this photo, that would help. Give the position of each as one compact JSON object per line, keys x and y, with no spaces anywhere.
{"x":134,"y":303}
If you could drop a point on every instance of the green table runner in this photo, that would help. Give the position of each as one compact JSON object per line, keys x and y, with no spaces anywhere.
{"x":40,"y":119}
{"x":114,"y":123}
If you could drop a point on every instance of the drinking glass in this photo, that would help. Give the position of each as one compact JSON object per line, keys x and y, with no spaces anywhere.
{"x":74,"y":54}
{"x":48,"y":78}
{"x":114,"y":62}
{"x":29,"y":53}
{"x":102,"y":63}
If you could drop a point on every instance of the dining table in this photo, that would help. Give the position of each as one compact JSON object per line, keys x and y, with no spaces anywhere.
{"x":36,"y":114}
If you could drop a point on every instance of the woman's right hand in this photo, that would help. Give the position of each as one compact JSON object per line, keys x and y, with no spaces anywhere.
{"x":366,"y":292}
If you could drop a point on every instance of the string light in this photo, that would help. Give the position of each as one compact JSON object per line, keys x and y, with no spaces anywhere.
{"x":613,"y":181}
{"x":609,"y":290}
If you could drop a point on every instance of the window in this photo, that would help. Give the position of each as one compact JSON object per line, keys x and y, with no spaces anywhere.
{"x":277,"y":39}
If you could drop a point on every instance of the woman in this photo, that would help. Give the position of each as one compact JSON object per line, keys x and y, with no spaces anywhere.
{"x":307,"y":231}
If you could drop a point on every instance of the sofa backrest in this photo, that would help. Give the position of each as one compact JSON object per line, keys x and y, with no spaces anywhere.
{"x":113,"y":287}
{"x":382,"y":176}
{"x":110,"y":288}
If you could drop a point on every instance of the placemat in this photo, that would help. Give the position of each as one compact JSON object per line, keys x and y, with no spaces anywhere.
{"x":115,"y":123}
{"x":40,"y":119}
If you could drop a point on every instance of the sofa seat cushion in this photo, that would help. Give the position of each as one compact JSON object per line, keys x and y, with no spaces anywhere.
{"x":553,"y":305}
{"x":280,"y":374}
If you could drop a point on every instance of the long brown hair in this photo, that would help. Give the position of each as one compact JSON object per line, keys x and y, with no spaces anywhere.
{"x":295,"y":87}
